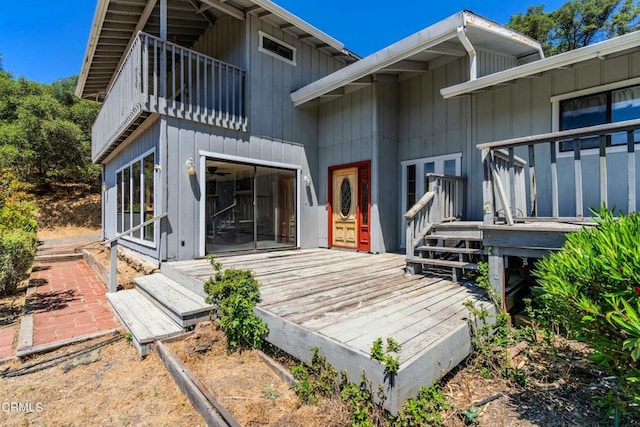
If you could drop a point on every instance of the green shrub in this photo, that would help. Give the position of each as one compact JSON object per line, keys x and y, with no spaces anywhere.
{"x":17,"y":250}
{"x":590,"y":290}
{"x":235,"y":293}
{"x":18,"y":229}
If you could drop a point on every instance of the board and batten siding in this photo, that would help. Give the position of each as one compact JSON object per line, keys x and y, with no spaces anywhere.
{"x":524,"y":108}
{"x":490,"y":62}
{"x":225,"y":41}
{"x":147,"y":140}
{"x":429,"y":125}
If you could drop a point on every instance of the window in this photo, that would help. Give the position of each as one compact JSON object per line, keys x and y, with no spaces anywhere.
{"x":136,"y":201}
{"x":277,"y":49}
{"x":610,"y":106}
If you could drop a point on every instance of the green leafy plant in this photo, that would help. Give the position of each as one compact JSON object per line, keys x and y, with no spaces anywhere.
{"x":423,"y":410}
{"x":391,"y":363}
{"x":235,"y":293}
{"x":319,"y":378}
{"x":589,"y":291}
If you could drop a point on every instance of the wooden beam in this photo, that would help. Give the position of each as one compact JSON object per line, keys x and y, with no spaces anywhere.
{"x":146,"y":13}
{"x":226,"y":8}
{"x":408,"y":65}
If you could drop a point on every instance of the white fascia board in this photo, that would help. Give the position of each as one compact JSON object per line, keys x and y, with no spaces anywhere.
{"x":96,"y":28}
{"x":299,"y":23}
{"x":487,"y":25}
{"x":602,"y":49}
{"x":418,"y":42}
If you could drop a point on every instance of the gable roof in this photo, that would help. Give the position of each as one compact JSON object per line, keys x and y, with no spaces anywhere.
{"x":422,"y":50}
{"x":116,"y":23}
{"x":567,"y":59}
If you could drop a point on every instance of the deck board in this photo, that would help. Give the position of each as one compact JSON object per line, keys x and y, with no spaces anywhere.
{"x":341,"y":301}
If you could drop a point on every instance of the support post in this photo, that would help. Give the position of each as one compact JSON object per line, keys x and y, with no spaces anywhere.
{"x":113,"y":267}
{"x":496,"y":273}
{"x":631,"y":172}
{"x":487,"y":189}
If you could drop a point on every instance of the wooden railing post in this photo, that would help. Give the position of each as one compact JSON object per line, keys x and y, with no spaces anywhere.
{"x":533,"y":189}
{"x":488,"y":204}
{"x":113,"y":266}
{"x":631,"y":172}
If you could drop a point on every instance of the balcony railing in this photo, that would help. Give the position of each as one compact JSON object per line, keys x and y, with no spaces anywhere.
{"x":162,"y":77}
{"x":558,"y":192}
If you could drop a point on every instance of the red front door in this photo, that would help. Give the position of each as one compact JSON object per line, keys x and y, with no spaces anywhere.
{"x":350,"y":206}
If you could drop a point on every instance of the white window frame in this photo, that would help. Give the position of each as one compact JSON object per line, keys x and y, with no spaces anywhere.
{"x":263,"y":35}
{"x":555,"y":114}
{"x":140,"y":159}
{"x":420,"y":190}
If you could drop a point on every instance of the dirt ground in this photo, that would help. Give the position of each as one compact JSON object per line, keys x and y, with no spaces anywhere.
{"x":248,"y":388}
{"x":108,"y":386}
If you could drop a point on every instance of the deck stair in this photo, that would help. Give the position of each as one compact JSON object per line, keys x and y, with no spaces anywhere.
{"x":157,"y":308}
{"x":456,"y":245}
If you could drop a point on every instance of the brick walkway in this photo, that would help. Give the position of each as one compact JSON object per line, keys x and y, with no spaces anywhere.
{"x":68,"y":302}
{"x":6,"y":343}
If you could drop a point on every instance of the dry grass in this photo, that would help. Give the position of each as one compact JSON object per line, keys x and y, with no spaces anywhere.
{"x":118,"y":389}
{"x":249,"y":389}
{"x":66,"y":232}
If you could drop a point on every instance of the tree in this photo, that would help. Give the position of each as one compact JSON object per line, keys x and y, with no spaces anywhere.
{"x":577,"y":23}
{"x":45,"y":132}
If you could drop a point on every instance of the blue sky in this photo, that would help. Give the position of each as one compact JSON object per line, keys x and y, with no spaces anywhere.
{"x":46,"y":40}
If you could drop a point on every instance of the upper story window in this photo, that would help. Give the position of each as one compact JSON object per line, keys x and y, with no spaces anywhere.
{"x":609,"y":106}
{"x":276,"y":48}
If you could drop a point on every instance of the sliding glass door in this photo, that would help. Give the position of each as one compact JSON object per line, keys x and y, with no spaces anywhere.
{"x":249,"y":207}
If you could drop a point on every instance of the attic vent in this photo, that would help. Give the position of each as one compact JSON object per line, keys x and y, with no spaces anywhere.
{"x":277,"y":49}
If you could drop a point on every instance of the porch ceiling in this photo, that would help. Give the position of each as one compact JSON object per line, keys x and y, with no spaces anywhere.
{"x":117,"y":22}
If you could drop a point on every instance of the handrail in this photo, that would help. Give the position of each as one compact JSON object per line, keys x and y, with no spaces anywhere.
{"x":134,"y":229}
{"x":235,"y":203}
{"x":113,"y":255}
{"x":447,"y":177}
{"x":411,"y":213}
{"x":563,"y":135}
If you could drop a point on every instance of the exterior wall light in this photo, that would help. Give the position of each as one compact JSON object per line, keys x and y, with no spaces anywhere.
{"x":191,"y":168}
{"x":307,"y":180}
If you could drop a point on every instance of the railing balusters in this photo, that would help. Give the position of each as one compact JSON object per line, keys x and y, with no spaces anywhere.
{"x":577,"y":171}
{"x":631,"y":172}
{"x":533,"y":189}
{"x":603,"y":169}
{"x":143,"y":84}
{"x":554,"y":180}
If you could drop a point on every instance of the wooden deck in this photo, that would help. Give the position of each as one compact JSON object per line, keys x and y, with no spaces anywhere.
{"x":342,"y":301}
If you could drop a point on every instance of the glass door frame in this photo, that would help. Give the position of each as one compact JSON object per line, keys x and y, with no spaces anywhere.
{"x":420,"y":189}
{"x":202,"y":177}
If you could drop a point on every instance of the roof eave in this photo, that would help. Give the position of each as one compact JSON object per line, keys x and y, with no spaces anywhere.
{"x":96,"y":28}
{"x":597,"y":50}
{"x":430,"y":36}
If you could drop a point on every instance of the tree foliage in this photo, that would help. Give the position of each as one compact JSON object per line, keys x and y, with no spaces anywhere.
{"x":577,"y":23}
{"x":45,"y":132}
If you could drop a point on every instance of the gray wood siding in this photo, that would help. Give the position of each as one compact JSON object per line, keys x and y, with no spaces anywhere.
{"x":490,"y":62}
{"x":429,"y":125}
{"x":146,"y":141}
{"x":389,"y":172}
{"x":225,"y":40}
{"x":524,"y":108}
{"x":271,"y":81}
{"x":345,"y":131}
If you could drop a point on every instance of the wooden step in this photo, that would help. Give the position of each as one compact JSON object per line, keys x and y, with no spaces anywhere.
{"x":57,"y":257}
{"x":182,"y":305}
{"x":450,"y":249}
{"x":146,"y":322}
{"x":445,"y":263}
{"x":458,"y":237}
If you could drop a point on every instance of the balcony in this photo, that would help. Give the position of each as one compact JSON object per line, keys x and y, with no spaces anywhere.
{"x":159,"y":77}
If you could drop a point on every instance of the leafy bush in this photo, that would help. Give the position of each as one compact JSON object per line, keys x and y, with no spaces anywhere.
{"x":590,"y":290}
{"x":423,"y":410}
{"x":235,"y":293}
{"x":18,"y":229}
{"x":17,"y":250}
